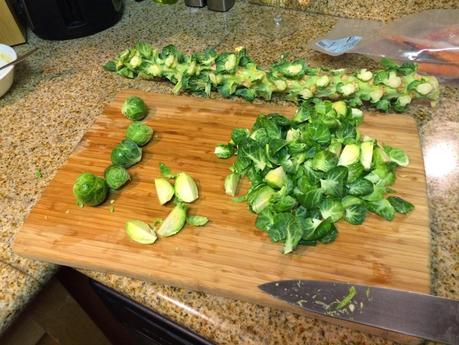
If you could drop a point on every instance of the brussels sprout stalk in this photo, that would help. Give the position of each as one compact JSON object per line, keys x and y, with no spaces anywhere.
{"x":392,"y":87}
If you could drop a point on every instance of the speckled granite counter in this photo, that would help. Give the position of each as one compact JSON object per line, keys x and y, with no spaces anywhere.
{"x":363,"y":9}
{"x":61,"y":89}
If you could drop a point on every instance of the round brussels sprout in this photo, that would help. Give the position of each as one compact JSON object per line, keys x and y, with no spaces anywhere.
{"x":126,"y":154}
{"x":116,"y":176}
{"x":139,"y":133}
{"x":134,"y":108}
{"x":90,"y":189}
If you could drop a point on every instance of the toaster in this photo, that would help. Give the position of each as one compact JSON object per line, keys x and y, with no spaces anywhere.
{"x":66,"y":19}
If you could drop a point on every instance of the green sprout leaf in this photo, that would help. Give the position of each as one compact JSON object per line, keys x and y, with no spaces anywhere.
{"x":400,"y":205}
{"x":197,"y":220}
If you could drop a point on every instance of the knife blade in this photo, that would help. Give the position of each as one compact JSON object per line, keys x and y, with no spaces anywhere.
{"x":420,"y":315}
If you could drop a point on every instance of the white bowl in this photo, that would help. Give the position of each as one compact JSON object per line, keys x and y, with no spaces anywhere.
{"x":7,"y":74}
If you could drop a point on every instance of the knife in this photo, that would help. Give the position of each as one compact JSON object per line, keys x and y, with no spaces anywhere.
{"x":420,"y":315}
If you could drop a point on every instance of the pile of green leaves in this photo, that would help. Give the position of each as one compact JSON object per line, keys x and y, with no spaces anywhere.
{"x":310,"y":172}
{"x":236,"y":74}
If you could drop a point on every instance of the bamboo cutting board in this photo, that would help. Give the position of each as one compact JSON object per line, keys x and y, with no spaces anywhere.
{"x":229,"y":256}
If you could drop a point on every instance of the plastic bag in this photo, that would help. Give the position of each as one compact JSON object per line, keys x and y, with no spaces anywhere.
{"x":429,"y":38}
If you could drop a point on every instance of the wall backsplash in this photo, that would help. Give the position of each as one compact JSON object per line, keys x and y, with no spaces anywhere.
{"x":364,"y":9}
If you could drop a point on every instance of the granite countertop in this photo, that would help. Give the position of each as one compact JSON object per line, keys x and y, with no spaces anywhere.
{"x":62,"y":88}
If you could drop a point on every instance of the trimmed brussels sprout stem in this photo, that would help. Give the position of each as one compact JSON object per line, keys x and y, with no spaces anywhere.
{"x":236,"y":74}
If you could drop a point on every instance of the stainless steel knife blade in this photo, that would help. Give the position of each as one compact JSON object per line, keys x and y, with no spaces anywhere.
{"x":420,"y":315}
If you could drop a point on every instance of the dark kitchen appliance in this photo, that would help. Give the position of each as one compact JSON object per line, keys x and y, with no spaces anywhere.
{"x":65,"y":19}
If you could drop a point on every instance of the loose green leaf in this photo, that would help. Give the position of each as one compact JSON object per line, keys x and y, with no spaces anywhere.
{"x":166,"y":172}
{"x":355,"y":214}
{"x":38,"y":174}
{"x":382,"y":208}
{"x":197,"y":220}
{"x":294,"y":234}
{"x":331,"y":208}
{"x":224,"y":151}
{"x":360,"y":187}
{"x":397,"y":156}
{"x":400,"y":205}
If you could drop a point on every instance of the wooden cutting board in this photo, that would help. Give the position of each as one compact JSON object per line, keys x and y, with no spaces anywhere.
{"x":229,"y":256}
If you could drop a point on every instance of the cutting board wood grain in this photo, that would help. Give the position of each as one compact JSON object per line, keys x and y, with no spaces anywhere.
{"x":229,"y":256}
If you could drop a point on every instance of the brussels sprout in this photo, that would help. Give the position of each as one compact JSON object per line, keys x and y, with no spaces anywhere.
{"x":185,"y":188}
{"x":276,"y":177}
{"x":197,"y":220}
{"x":140,"y":232}
{"x":164,"y":190}
{"x":126,"y":154}
{"x":90,"y":190}
{"x":134,"y":108}
{"x":174,"y":222}
{"x":232,"y":183}
{"x":139,"y":133}
{"x":116,"y":176}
